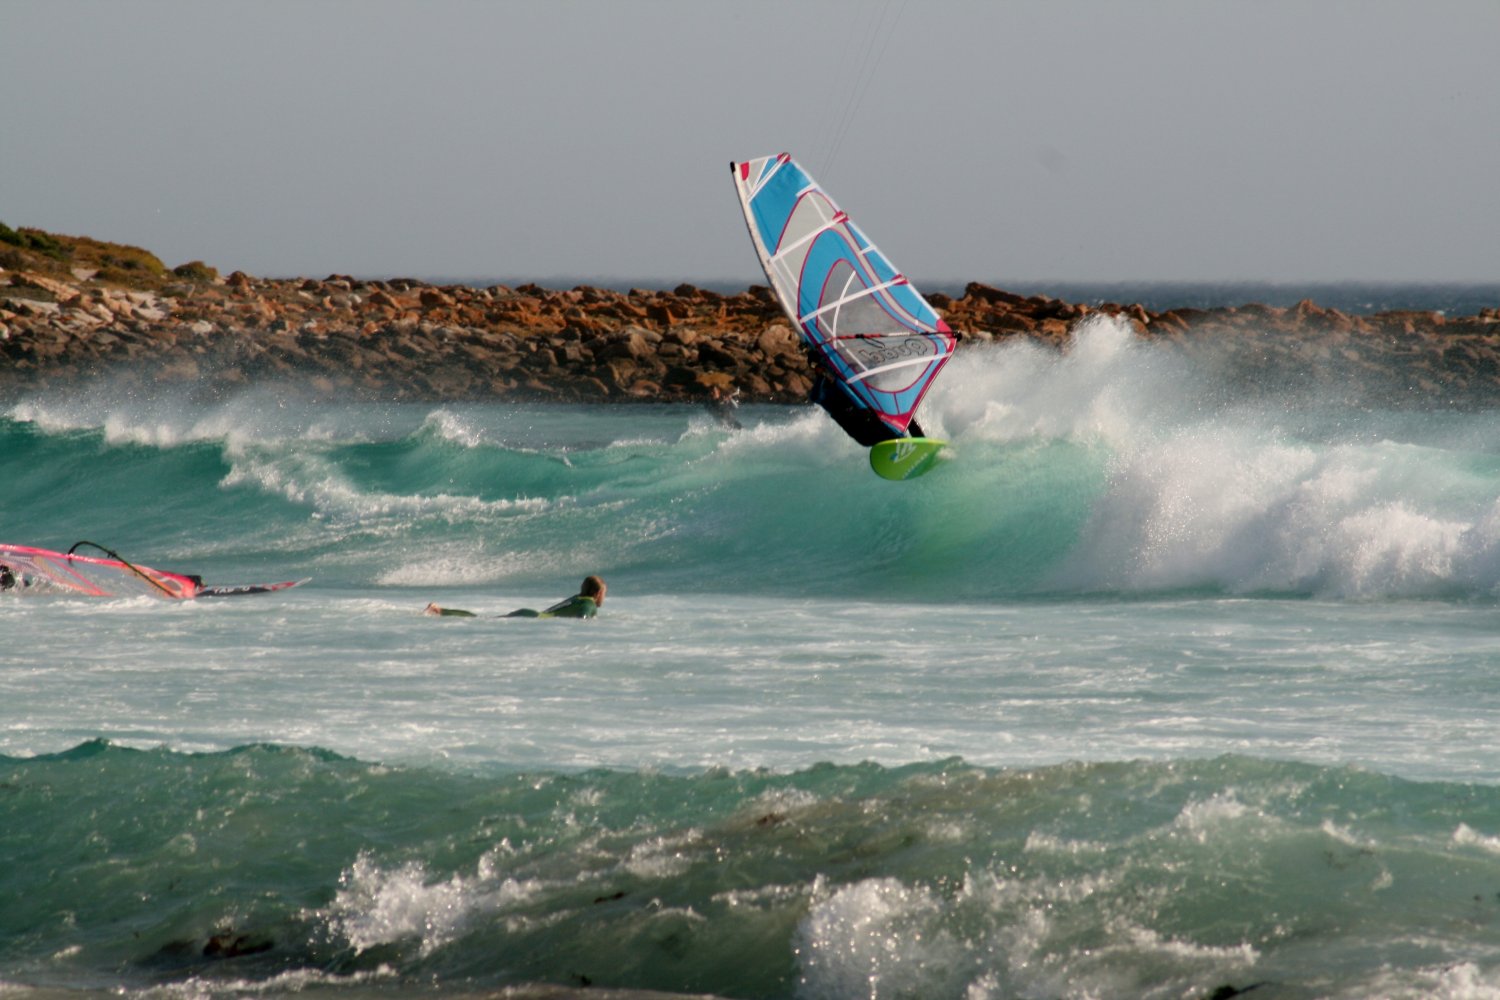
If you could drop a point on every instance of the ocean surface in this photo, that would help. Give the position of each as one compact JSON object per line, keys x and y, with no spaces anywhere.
{"x":1150,"y":689}
{"x":1453,"y":299}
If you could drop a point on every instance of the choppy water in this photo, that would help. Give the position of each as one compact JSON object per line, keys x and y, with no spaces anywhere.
{"x":1151,"y":689}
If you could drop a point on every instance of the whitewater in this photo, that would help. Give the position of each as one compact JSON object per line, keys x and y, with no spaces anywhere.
{"x":1160,"y":685}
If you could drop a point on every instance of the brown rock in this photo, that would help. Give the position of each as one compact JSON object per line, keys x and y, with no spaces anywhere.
{"x":712,"y":354}
{"x":632,"y":345}
{"x":776,"y":340}
{"x":432,"y":298}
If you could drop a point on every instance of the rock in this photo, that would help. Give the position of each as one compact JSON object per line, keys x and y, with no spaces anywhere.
{"x":993,"y":296}
{"x":35,"y":307}
{"x":778,"y":339}
{"x":432,"y":298}
{"x":633,"y":346}
{"x":714,"y":355}
{"x":60,"y":290}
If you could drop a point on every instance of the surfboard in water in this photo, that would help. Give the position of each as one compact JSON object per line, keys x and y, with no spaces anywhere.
{"x":26,"y":569}
{"x":868,"y":329}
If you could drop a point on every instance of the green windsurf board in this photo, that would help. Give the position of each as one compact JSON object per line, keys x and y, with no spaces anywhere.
{"x":905,"y":458}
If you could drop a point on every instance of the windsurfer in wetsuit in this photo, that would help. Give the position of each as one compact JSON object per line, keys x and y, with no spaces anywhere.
{"x":584,"y":604}
{"x":7,"y":578}
{"x":857,"y":420}
{"x":723,"y":405}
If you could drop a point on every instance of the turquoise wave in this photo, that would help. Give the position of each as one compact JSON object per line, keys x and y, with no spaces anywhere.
{"x":1115,"y":468}
{"x":267,"y":863}
{"x":660,"y":496}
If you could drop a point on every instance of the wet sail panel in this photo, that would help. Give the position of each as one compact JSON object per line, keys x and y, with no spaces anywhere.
{"x":48,"y":571}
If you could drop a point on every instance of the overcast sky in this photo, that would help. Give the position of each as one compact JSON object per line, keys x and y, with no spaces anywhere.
{"x":1263,"y":140}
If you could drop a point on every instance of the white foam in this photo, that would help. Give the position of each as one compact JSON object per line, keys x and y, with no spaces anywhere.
{"x":869,"y":939}
{"x":1201,"y":819}
{"x":1467,"y":836}
{"x":1144,"y":939}
{"x":309,"y":478}
{"x":376,"y":906}
{"x":258,"y":415}
{"x":1455,"y":981}
{"x":1206,"y":488}
{"x":1105,"y":386}
{"x":453,"y":427}
{"x":457,"y":565}
{"x":1038,"y":842}
{"x":663,"y":857}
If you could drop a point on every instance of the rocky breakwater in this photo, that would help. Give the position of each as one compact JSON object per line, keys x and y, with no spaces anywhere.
{"x":400,"y":338}
{"x":194,"y":332}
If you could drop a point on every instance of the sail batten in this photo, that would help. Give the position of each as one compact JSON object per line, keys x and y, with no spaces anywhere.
{"x":868,"y":328}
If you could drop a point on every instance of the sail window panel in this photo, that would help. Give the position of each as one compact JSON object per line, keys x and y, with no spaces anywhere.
{"x":866,"y":314}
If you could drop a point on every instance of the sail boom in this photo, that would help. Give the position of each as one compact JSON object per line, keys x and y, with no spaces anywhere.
{"x":880,"y":336}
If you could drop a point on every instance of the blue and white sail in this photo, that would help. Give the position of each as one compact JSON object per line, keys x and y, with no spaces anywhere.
{"x":867,"y":325}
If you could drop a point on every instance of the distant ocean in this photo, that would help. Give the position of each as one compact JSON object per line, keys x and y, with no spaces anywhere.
{"x":1154,"y":688}
{"x":1356,"y":298}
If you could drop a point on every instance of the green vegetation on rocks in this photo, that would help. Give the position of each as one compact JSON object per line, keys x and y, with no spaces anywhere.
{"x":63,"y":257}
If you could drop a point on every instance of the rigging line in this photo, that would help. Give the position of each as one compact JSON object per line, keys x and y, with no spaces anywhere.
{"x":829,"y":123}
{"x":845,"y":80}
{"x":124,"y":562}
{"x":852,"y":97}
{"x":860,"y":78}
{"x":882,"y":33}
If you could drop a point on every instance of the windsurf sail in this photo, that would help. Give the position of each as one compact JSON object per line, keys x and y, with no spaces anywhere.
{"x":868,"y":328}
{"x":96,"y":576}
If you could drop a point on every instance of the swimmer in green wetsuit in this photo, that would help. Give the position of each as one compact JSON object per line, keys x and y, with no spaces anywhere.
{"x":584,"y":604}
